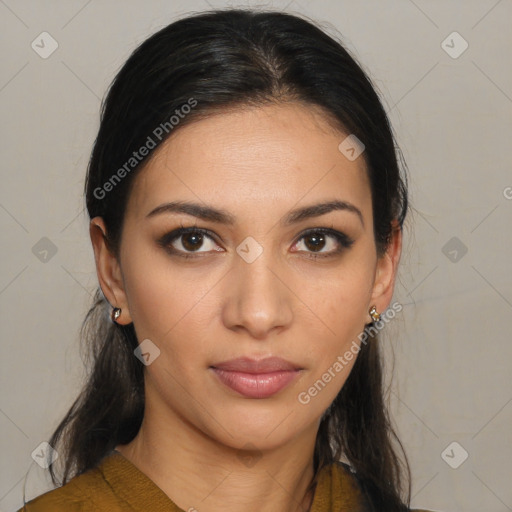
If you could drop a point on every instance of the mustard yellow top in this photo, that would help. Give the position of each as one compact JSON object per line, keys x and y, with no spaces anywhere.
{"x":117,"y":485}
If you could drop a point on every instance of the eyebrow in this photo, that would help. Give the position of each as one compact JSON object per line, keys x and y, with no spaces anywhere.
{"x":224,"y":217}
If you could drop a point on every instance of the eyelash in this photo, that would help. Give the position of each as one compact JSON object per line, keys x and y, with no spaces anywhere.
{"x":344,"y":241}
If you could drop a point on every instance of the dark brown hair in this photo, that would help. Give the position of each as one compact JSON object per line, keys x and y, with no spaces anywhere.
{"x":213,"y":61}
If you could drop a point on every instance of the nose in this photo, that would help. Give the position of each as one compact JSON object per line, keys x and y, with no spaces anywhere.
{"x":257,"y":298}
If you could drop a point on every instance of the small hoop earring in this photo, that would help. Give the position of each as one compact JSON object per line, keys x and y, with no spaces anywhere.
{"x":116,"y":313}
{"x":374,"y":314}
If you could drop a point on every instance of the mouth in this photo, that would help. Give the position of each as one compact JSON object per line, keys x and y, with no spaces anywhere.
{"x":256,"y":379}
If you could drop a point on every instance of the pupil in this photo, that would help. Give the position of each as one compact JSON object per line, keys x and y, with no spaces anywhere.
{"x":319,"y":240}
{"x":193,"y":245}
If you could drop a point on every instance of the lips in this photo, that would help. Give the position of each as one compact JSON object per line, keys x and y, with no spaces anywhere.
{"x":256,"y":379}
{"x":247,"y":365}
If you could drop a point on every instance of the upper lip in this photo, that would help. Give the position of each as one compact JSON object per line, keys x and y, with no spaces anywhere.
{"x":248,"y":365}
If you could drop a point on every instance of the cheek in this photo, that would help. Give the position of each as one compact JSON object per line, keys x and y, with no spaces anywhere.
{"x":343,"y":301}
{"x":342,"y":305}
{"x":160,"y":295}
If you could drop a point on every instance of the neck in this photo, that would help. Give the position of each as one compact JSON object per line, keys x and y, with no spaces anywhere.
{"x":199,"y":473}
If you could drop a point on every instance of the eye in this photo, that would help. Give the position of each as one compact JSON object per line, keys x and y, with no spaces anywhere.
{"x":186,"y":241}
{"x":318,"y":238}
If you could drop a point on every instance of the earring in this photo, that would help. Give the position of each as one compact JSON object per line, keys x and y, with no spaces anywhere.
{"x":374,"y":314}
{"x":116,"y":313}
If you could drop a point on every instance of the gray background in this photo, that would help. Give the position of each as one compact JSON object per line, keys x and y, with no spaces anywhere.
{"x":452,"y":116}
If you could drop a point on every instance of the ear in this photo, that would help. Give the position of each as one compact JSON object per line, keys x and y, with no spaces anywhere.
{"x":108,"y":270}
{"x":385,"y":274}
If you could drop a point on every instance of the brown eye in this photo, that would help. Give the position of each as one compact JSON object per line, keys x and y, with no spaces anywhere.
{"x":317,"y":239}
{"x":187,"y":241}
{"x":192,"y":241}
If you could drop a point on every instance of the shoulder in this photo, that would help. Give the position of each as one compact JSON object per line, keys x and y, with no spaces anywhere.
{"x":347,"y":480}
{"x":55,"y":501}
{"x":343,"y":474}
{"x":84,"y":493}
{"x":114,"y":485}
{"x":337,"y":488}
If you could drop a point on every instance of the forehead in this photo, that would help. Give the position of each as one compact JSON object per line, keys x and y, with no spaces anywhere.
{"x":253,"y":160}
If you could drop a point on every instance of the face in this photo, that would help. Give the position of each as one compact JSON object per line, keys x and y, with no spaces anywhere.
{"x":253,"y":277}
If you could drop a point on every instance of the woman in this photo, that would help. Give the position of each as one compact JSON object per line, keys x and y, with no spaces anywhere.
{"x":246,"y":211}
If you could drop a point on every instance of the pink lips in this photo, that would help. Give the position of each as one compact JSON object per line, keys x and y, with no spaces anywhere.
{"x":256,"y":379}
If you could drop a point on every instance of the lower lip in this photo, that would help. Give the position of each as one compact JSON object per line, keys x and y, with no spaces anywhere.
{"x":252,"y":385}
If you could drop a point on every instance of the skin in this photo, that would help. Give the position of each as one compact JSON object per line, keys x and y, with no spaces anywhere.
{"x":258,"y":164}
